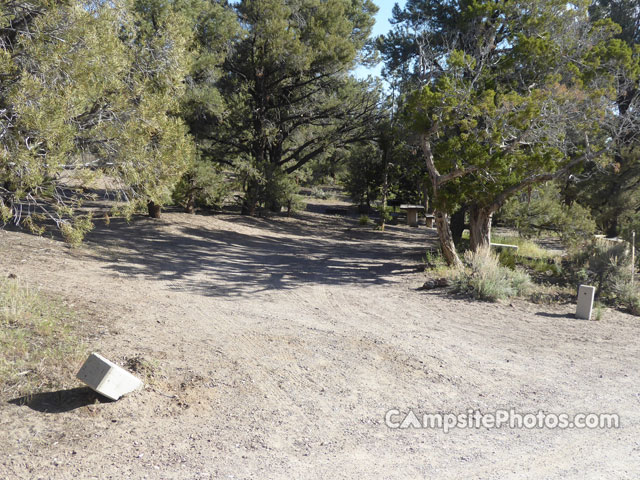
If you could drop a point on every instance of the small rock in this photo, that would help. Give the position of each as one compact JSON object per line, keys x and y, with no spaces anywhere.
{"x":12,"y":275}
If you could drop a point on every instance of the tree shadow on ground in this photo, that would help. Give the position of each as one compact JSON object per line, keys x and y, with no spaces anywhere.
{"x":61,"y":400}
{"x":257,"y":254}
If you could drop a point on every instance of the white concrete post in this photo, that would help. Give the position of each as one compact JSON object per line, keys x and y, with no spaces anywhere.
{"x":107,"y":378}
{"x":586,"y":294}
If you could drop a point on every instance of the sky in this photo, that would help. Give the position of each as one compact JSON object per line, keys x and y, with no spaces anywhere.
{"x":381,"y":27}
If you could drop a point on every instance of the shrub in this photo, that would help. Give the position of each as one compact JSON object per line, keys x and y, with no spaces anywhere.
{"x":486,"y":279}
{"x":608,"y":267}
{"x":295,"y":203}
{"x":536,"y":264}
{"x":543,"y":210}
{"x":602,"y":264}
{"x":364,"y":220}
{"x":433,"y":258}
{"x":281,"y":190}
{"x":526,"y":247}
{"x":628,"y":297}
{"x":202,"y":186}
{"x":317,"y":192}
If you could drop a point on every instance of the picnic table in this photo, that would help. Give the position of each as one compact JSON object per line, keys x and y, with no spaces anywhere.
{"x":412,"y":213}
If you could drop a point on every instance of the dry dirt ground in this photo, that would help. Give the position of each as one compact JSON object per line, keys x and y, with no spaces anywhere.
{"x":273,"y":349}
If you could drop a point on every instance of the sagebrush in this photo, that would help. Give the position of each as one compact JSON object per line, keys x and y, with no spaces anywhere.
{"x":484,"y":278}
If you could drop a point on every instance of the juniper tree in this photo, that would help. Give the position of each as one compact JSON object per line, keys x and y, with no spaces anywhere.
{"x":613,"y":191}
{"x":506,"y":95}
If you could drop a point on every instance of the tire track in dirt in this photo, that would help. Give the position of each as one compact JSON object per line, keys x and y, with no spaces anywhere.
{"x":266,"y":358}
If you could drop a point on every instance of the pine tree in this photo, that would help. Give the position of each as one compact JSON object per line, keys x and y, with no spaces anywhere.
{"x":289,"y":99}
{"x":87,"y":94}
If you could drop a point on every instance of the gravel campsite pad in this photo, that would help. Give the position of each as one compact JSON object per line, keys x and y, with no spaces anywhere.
{"x":275,"y":348}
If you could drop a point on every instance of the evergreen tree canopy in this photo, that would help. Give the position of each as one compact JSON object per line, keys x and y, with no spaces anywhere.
{"x":613,"y":192}
{"x":288,"y":95}
{"x":506,"y":95}
{"x":87,"y":92}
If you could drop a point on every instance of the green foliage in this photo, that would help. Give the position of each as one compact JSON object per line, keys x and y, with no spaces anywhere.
{"x":280,"y":190}
{"x":368,"y":162}
{"x":526,"y":247}
{"x":598,"y":311}
{"x":365,"y":173}
{"x":89,"y":87}
{"x":73,"y":233}
{"x":203,"y":185}
{"x":364,"y":220}
{"x":214,"y":27}
{"x":607,"y":265}
{"x":601,"y":263}
{"x":288,"y":101}
{"x":318,"y":192}
{"x":433,"y":259}
{"x":543,"y":210}
{"x":612,"y":194}
{"x":385,"y":213}
{"x":485,"y":278}
{"x":538,"y":262}
{"x":503,"y":96}
{"x":628,"y":297}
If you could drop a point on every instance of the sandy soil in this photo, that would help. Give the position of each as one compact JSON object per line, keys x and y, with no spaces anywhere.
{"x":278,"y":345}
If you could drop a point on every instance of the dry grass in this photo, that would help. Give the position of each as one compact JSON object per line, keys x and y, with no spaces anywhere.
{"x":39,"y":348}
{"x":485,"y":278}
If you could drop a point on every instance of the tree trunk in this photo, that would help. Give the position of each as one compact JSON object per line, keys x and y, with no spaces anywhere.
{"x":385,"y":190}
{"x":425,"y":197}
{"x":480,"y":227}
{"x":611,"y":230}
{"x":250,"y":200}
{"x":446,"y":240}
{"x":442,"y":219}
{"x":190,"y":206}
{"x":457,"y":224}
{"x":154,"y":209}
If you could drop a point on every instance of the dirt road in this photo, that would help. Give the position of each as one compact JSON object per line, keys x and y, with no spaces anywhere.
{"x":277,"y":346}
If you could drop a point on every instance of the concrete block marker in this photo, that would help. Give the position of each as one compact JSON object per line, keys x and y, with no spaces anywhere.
{"x":107,"y":378}
{"x":585,"y":301}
